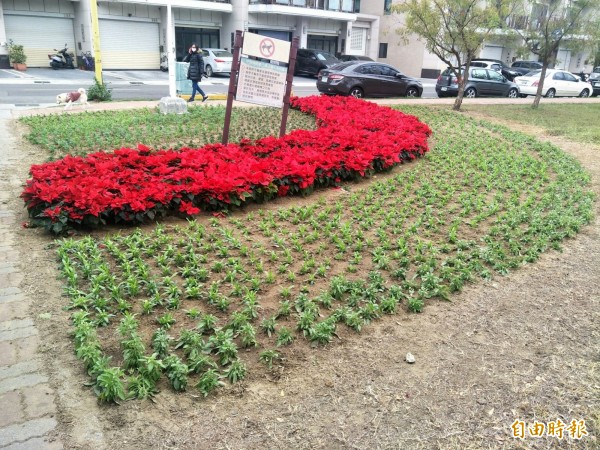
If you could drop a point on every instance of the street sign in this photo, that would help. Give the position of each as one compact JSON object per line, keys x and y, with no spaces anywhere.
{"x":261,"y":83}
{"x":266,"y":47}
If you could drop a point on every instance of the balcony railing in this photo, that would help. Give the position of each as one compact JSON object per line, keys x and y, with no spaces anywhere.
{"x":324,"y":5}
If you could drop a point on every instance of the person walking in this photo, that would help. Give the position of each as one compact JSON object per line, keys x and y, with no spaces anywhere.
{"x":195,"y":71}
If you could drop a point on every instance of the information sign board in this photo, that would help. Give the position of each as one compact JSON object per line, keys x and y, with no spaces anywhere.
{"x":261,"y":83}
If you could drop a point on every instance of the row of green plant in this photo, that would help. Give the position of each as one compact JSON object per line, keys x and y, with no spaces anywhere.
{"x":89,"y":132}
{"x":184,"y":299}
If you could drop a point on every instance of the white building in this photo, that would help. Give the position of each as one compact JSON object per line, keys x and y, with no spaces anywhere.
{"x":133,"y":32}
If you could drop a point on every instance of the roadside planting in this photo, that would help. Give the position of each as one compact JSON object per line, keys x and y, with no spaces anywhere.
{"x":352,"y":139}
{"x":201,"y":305}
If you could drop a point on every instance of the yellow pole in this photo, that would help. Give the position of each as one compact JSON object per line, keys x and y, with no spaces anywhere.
{"x":96,"y":40}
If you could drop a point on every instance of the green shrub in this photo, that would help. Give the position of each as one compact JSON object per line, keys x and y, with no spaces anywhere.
{"x":99,"y":92}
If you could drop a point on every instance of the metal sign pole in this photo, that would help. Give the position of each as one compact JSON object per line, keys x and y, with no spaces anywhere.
{"x":235,"y":67}
{"x":288,"y":87}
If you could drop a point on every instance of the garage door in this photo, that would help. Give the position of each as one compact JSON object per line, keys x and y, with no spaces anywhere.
{"x":492,"y":52}
{"x":39,"y":35}
{"x":129,"y":45}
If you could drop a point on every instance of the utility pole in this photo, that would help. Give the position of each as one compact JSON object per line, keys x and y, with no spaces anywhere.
{"x":96,"y":41}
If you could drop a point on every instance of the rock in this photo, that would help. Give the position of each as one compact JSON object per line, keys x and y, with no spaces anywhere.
{"x":410,"y":358}
{"x":172,"y":105}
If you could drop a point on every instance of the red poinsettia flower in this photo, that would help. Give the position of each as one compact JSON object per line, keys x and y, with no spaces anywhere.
{"x":353,"y":137}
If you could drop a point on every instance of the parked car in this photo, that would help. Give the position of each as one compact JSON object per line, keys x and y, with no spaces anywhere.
{"x":367,"y":79}
{"x":524,"y":67}
{"x":354,"y":58}
{"x":480,"y":82}
{"x":594,"y":79}
{"x":217,"y":60}
{"x":557,"y":83}
{"x":497,"y":65}
{"x":310,"y":62}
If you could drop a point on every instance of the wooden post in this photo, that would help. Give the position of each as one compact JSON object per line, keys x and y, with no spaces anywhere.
{"x":235,"y":67}
{"x":288,"y":85}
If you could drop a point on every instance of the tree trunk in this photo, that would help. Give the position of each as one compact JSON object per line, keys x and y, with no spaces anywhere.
{"x":461,"y":84}
{"x":538,"y":94}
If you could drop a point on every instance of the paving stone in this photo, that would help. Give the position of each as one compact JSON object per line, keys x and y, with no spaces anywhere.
{"x":12,"y":290}
{"x":8,"y":298}
{"x":11,"y":278}
{"x":39,"y":401}
{"x":27,"y":348}
{"x":13,"y":310}
{"x":30,"y":379}
{"x":19,"y":333}
{"x":8,"y":353}
{"x":18,"y":369}
{"x":15,"y":324}
{"x":35,"y":444}
{"x":9,"y":268}
{"x":12,"y":412}
{"x":9,"y":255}
{"x":19,"y":433}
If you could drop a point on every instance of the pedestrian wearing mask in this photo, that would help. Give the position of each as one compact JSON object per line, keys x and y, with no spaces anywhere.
{"x":195,"y":71}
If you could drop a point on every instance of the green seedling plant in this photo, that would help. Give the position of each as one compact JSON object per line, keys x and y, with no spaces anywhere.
{"x":387,"y":246}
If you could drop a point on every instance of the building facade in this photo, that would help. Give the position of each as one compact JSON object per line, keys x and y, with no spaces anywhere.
{"x":133,"y":32}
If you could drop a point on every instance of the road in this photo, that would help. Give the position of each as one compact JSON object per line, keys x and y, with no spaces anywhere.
{"x":38,"y":86}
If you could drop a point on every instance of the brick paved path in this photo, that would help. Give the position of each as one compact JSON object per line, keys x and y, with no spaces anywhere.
{"x":27,"y":407}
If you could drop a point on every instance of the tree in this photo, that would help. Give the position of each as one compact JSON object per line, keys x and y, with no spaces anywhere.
{"x":573,"y":24}
{"x":453,"y":30}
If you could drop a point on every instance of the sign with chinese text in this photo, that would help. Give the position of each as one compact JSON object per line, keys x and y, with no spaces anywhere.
{"x":261,"y":83}
{"x":266,"y":47}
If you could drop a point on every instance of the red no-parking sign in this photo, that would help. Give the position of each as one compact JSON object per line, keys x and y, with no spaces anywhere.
{"x":266,"y":47}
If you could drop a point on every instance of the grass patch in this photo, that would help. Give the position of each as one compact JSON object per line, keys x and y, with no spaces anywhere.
{"x":175,"y":305}
{"x":574,"y":121}
{"x":88,"y":132}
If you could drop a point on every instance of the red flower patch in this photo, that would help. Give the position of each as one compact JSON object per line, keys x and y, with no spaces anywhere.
{"x":354,"y":139}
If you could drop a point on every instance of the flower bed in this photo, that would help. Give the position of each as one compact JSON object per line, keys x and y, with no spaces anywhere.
{"x":354,"y":139}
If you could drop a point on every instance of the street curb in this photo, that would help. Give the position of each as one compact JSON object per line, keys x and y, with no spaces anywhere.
{"x":211,"y":96}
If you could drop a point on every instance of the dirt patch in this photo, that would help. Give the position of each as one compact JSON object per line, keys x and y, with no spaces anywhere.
{"x":521,"y":347}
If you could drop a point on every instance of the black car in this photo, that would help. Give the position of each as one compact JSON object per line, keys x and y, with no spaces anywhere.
{"x":497,"y":65}
{"x":367,"y":79}
{"x":481,"y":82}
{"x":354,"y":58}
{"x":595,"y":81}
{"x":524,"y":67}
{"x":310,"y":62}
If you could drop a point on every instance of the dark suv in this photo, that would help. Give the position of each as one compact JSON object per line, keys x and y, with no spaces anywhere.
{"x":595,"y":81}
{"x":524,"y":67}
{"x":310,"y":62}
{"x":480,"y":82}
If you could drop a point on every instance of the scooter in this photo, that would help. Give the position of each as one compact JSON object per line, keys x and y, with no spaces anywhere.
{"x":164,"y":62}
{"x":61,"y":59}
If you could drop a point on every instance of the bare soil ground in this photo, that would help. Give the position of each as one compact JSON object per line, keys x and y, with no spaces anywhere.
{"x":525,"y":346}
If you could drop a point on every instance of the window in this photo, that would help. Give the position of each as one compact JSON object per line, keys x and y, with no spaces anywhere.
{"x":387,"y":6}
{"x":495,"y":76}
{"x":558,"y":76}
{"x":569,"y":77}
{"x":388,"y":71}
{"x":479,"y":74}
{"x":382,"y":50}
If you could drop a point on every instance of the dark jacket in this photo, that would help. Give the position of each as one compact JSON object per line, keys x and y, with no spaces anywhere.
{"x":196,"y":68}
